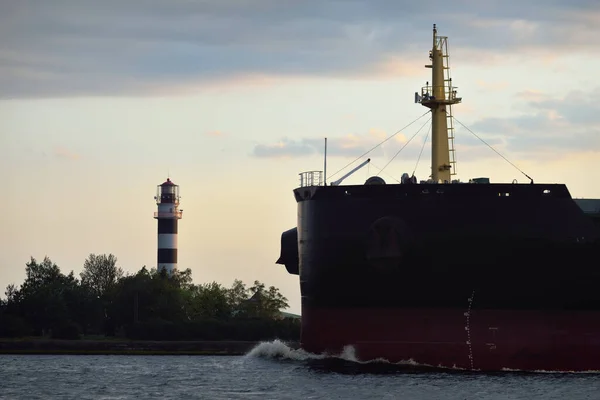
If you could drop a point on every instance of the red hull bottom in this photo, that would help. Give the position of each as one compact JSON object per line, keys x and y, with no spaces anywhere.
{"x":483,"y":340}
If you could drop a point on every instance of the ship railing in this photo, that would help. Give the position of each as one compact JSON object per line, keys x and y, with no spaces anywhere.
{"x":168,"y":214}
{"x":443,"y":92}
{"x":311,"y":178}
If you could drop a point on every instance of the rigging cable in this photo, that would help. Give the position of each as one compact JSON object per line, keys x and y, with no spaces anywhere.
{"x":405,"y":144}
{"x":496,"y":151}
{"x":422,"y":148}
{"x":374,"y":147}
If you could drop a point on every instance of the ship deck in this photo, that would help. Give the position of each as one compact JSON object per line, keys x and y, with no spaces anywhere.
{"x":547,"y":190}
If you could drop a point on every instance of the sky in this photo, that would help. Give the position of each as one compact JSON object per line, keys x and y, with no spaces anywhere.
{"x":101,"y":101}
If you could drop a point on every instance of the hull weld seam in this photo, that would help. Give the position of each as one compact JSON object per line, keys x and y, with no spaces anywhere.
{"x":468,"y":329}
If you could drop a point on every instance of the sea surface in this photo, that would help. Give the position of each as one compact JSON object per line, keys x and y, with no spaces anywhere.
{"x":270,"y":371}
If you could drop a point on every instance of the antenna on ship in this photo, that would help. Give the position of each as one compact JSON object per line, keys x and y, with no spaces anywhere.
{"x":325,"y":165}
{"x":439,"y":97}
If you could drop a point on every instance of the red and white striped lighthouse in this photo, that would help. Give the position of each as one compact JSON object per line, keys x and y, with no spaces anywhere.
{"x":167,"y":200}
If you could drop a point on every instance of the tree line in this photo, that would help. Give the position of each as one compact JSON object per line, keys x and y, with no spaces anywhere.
{"x":146,"y":305}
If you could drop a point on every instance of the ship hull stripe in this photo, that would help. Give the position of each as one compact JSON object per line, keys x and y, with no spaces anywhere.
{"x":485,"y":340}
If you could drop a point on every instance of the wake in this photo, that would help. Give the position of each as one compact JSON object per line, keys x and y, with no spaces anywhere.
{"x":347,"y":362}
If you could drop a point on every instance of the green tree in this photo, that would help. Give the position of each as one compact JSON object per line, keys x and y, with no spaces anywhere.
{"x":209,"y":300}
{"x":100,"y":273}
{"x":12,"y":294}
{"x":237,"y":294}
{"x":183,"y":279}
{"x":48,"y":301}
{"x":148,"y":305}
{"x":40,"y":274}
{"x":148,"y":295}
{"x":263,"y":302}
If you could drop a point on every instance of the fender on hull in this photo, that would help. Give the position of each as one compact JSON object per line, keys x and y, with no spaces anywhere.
{"x":289,"y":251}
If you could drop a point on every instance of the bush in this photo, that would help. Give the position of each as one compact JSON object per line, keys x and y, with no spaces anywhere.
{"x":68,"y":330}
{"x":12,"y":326}
{"x":244,"y":329}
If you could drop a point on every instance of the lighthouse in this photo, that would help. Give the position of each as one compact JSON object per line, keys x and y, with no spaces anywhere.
{"x":167,"y":200}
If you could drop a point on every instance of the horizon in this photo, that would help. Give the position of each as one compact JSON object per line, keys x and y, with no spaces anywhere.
{"x":99,"y":103}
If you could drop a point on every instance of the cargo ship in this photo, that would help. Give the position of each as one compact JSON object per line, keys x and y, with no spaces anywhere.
{"x":440,"y":273}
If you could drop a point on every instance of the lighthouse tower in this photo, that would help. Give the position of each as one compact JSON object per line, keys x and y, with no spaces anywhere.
{"x":167,"y":200}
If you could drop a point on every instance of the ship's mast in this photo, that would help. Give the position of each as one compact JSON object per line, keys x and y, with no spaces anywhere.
{"x":439,"y":97}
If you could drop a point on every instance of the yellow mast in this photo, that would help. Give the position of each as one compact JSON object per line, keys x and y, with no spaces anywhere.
{"x":439,"y":97}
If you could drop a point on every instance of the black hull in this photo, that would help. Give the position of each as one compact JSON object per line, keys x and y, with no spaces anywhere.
{"x":525,"y":247}
{"x":470,"y":276}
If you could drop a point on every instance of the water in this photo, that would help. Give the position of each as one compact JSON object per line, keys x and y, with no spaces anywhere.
{"x":269,"y":371}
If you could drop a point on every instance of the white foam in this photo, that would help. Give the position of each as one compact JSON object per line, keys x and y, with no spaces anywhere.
{"x":278,"y":349}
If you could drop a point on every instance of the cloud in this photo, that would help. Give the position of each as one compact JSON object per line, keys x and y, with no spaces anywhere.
{"x":286,"y":148}
{"x":530,"y":95}
{"x":349,"y":118}
{"x":492,"y":86}
{"x":547,"y":126}
{"x":83,"y":47}
{"x":65,"y":154}
{"x":350,"y":145}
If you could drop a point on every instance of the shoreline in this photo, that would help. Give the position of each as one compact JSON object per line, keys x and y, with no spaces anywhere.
{"x":35,"y":346}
